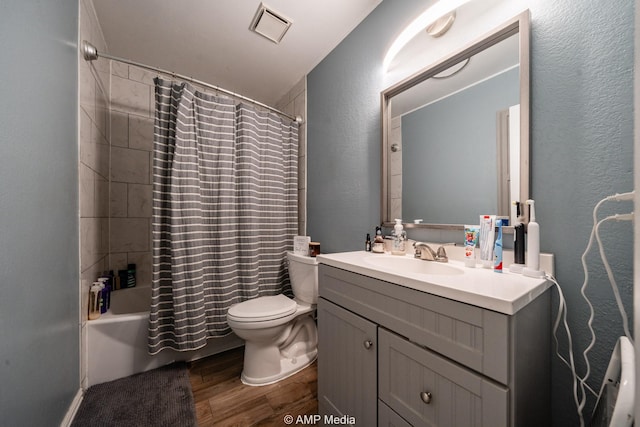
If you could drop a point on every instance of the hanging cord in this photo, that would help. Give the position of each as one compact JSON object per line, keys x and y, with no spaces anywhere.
{"x":562,"y":315}
{"x":580,"y":382}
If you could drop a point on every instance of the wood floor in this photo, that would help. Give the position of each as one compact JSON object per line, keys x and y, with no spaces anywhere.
{"x":222,"y":400}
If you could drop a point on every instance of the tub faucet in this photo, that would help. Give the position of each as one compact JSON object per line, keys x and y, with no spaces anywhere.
{"x":426,"y":252}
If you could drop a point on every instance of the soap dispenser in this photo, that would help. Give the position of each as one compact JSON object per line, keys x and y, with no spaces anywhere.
{"x":399,"y":238}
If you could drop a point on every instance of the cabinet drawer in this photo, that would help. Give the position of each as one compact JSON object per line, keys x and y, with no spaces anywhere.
{"x":388,"y":418}
{"x":428,"y":390}
{"x":470,"y":335}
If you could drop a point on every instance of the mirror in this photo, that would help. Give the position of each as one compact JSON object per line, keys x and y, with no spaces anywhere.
{"x":456,"y":135}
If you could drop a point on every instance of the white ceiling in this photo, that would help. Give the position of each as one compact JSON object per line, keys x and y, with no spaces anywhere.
{"x":210,"y":40}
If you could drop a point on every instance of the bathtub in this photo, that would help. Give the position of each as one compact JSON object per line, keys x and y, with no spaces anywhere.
{"x":117,"y":341}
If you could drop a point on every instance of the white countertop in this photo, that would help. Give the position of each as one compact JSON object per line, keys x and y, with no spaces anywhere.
{"x":502,"y":292}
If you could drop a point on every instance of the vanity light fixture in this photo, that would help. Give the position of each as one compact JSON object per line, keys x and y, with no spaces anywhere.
{"x":441,"y":25}
{"x":428,"y":17}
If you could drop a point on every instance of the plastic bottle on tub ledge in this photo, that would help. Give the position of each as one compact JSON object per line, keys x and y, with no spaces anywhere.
{"x":95,"y":296}
{"x":131,"y":275}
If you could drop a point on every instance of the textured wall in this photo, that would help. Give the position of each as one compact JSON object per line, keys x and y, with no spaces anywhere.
{"x":582,"y":151}
{"x":39,"y":325}
{"x":582,"y":122}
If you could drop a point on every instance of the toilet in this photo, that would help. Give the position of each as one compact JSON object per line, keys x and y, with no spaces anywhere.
{"x":280,"y":333}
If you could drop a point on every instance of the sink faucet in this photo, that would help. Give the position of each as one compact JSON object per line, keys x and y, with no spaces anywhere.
{"x":426,"y":252}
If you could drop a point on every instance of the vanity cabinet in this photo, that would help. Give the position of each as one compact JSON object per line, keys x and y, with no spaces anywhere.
{"x":391,"y":355}
{"x":348,"y":364}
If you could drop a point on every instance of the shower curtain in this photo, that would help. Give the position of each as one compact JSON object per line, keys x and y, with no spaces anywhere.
{"x":225,"y":210}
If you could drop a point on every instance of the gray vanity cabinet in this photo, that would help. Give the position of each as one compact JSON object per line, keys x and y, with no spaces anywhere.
{"x":390,"y":355}
{"x":348,"y":364}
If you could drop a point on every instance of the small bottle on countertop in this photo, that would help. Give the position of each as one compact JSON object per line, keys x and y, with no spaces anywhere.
{"x":399,"y":237}
{"x":367,"y":243}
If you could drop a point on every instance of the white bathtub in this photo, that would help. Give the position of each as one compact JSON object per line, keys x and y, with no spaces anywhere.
{"x":117,"y":341}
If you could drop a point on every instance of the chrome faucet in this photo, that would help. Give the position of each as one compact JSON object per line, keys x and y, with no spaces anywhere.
{"x":426,"y":252}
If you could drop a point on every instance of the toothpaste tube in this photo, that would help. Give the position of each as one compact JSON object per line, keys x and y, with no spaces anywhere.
{"x":497,"y":250}
{"x":470,"y":242}
{"x":486,"y":237}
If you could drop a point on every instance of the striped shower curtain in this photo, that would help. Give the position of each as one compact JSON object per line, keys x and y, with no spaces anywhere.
{"x":225,"y":210}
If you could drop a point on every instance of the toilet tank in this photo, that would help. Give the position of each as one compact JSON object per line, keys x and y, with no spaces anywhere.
{"x":303,"y":274}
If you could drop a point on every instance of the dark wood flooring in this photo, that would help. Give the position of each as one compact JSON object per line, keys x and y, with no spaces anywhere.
{"x":222,"y":400}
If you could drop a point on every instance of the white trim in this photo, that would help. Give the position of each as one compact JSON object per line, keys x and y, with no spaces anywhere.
{"x":636,"y":222}
{"x":73,"y":409}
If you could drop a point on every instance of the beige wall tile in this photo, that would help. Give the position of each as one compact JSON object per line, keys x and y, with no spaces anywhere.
{"x":130,"y":235}
{"x":139,"y":201}
{"x":141,"y":133}
{"x":141,"y":75}
{"x":119,"y":129}
{"x":130,"y":166}
{"x":95,"y":156}
{"x":130,"y":96}
{"x":101,"y":197}
{"x":87,"y":192}
{"x":119,"y":69}
{"x":118,"y":200}
{"x":90,"y":242}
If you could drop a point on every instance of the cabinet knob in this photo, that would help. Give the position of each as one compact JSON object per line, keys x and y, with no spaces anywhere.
{"x":425,"y":396}
{"x":368,"y":344}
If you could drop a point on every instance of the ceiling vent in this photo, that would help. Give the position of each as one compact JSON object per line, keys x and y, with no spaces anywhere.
{"x":269,"y":24}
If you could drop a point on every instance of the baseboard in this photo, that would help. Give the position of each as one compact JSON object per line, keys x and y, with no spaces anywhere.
{"x":73,"y":408}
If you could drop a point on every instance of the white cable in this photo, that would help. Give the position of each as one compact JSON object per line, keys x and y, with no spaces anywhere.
{"x":562,"y":313}
{"x":614,"y":286}
{"x":580,"y":402}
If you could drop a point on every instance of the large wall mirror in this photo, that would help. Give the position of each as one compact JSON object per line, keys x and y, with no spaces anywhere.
{"x":456,"y":135}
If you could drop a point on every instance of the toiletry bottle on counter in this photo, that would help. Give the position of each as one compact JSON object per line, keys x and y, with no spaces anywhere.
{"x":399,"y":237}
{"x":367,"y":243}
{"x":314,"y":249}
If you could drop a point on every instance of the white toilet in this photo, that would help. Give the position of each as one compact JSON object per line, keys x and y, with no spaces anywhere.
{"x":280,"y":334}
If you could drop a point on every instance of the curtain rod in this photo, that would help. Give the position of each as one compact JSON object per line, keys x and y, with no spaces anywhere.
{"x":90,"y":53}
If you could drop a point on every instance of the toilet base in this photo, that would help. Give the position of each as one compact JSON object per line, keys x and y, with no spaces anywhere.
{"x":288,"y":367}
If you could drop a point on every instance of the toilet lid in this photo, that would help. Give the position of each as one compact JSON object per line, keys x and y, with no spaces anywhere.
{"x":263,"y":308}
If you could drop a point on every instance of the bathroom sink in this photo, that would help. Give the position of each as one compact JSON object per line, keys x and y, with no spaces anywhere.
{"x":411,"y":265}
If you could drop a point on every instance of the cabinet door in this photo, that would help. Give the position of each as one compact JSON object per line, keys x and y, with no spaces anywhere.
{"x":429,"y":390}
{"x":347,"y":346}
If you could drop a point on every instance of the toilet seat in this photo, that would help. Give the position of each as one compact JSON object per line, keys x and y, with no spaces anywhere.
{"x":262,"y":309}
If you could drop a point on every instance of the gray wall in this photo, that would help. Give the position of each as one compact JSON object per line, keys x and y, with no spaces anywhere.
{"x":39,"y":324}
{"x":458,"y":130}
{"x":582,"y":141}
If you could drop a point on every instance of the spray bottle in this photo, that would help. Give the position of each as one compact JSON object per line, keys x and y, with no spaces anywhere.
{"x":533,"y":245}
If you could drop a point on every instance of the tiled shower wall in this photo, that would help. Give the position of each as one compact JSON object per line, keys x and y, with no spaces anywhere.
{"x":132,"y":111}
{"x":93,"y":167}
{"x":294,"y":103}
